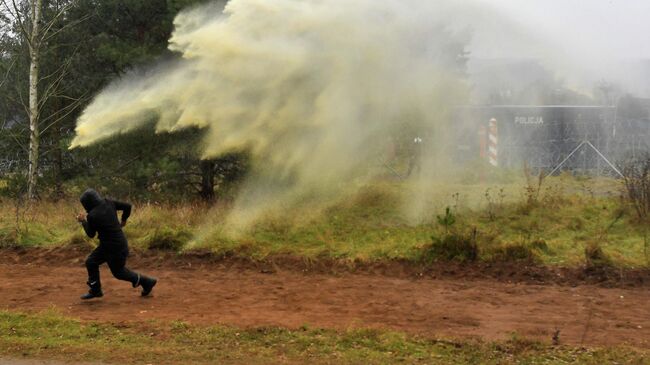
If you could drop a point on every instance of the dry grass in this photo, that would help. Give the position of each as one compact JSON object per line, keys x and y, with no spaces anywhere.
{"x":375,"y":224}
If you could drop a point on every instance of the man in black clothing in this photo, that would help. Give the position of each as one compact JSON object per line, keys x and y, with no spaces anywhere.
{"x":113,"y":249}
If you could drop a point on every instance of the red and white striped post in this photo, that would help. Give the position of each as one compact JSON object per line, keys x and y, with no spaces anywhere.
{"x":493,"y":143}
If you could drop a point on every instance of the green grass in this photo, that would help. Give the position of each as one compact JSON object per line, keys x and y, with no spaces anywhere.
{"x":555,"y":223}
{"x":51,"y":336}
{"x":566,"y":217}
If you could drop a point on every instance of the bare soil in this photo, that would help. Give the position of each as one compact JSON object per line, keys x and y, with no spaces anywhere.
{"x":14,"y":361}
{"x":456,"y":302}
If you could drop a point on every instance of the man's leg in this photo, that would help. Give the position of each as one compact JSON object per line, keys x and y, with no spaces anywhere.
{"x":93,"y":261}
{"x":120,"y":271}
{"x":117,"y":264}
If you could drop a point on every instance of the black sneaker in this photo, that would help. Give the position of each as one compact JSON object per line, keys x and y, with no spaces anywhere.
{"x":94,"y":292}
{"x":91,"y":295}
{"x":147,"y":284}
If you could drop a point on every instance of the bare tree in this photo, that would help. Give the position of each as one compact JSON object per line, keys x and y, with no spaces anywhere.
{"x":34,"y":68}
{"x":36,"y":32}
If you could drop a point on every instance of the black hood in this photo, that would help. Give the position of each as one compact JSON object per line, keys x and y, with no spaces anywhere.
{"x":90,"y":199}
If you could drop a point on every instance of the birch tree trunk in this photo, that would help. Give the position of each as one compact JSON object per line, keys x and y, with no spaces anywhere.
{"x":34,"y":132}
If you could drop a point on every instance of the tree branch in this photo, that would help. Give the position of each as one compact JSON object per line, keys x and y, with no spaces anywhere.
{"x":72,"y":107}
{"x":52,"y":21}
{"x":66,"y":26}
{"x":6,"y":77}
{"x":16,"y":15}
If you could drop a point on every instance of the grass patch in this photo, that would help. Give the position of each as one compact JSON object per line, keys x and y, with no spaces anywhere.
{"x":165,"y":238}
{"x":549,"y":222}
{"x":516,"y":252}
{"x":51,"y":336}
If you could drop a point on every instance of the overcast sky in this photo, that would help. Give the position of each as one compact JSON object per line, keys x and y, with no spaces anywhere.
{"x":619,"y":28}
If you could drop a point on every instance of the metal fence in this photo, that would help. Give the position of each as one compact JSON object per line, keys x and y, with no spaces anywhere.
{"x":554,"y":138}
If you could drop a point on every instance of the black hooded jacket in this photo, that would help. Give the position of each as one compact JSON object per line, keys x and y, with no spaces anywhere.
{"x":102,"y":220}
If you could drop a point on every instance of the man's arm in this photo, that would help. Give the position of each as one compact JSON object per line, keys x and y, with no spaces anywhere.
{"x":88,"y":227}
{"x":125,"y":208}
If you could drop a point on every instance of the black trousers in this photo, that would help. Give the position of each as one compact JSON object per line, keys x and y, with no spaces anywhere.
{"x":116,"y":260}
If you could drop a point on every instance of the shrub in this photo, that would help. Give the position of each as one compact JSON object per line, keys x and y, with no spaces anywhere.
{"x":540,"y":245}
{"x":79,"y":240}
{"x":13,"y":185}
{"x":452,"y":247}
{"x":169,"y":239}
{"x":595,"y":257}
{"x":8,"y":239}
{"x":446,"y":220}
{"x":636,"y":179}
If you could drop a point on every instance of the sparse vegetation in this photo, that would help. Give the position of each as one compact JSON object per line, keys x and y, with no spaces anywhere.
{"x":49,"y":335}
{"x":636,"y":179}
{"x":532,"y":189}
{"x":370,"y":226}
{"x":494,"y":203}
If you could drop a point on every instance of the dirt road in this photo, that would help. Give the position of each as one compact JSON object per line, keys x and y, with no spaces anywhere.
{"x":13,"y":361}
{"x":487,"y":309}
